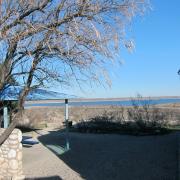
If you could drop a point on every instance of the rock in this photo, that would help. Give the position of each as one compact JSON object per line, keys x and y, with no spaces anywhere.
{"x":1,"y":177}
{"x":13,"y":136}
{"x":13,"y":172}
{"x":12,"y":154}
{"x":1,"y":160}
{"x":4,"y":165}
{"x":4,"y":147}
{"x":13,"y":164}
{"x":5,"y":143}
{"x":19,"y":156}
{"x":15,"y":131}
{"x":5,"y":156}
{"x":5,"y":152}
{"x":19,"y":136}
{"x":21,"y":177}
{"x":20,"y":146}
{"x":13,"y":142}
{"x":11,"y":157}
{"x":14,"y":146}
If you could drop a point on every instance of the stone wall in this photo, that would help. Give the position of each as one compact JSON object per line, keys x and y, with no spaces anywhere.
{"x":11,"y":156}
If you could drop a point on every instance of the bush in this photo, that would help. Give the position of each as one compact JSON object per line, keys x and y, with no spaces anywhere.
{"x":98,"y":124}
{"x":147,"y":116}
{"x":140,"y":119}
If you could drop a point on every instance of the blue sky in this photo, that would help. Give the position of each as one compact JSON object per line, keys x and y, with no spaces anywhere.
{"x":151,"y":69}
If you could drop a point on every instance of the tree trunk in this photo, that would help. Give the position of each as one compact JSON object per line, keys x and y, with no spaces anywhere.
{"x":21,"y":100}
{"x":8,"y":131}
{"x":20,"y":106}
{"x":14,"y":122}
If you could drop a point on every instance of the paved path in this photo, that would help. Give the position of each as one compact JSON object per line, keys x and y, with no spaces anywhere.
{"x":104,"y":157}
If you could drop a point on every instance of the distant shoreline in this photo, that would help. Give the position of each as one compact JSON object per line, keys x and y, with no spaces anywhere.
{"x":100,"y":99}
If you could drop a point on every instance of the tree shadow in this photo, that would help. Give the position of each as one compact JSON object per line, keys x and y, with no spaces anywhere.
{"x":112,"y":156}
{"x":26,"y":146}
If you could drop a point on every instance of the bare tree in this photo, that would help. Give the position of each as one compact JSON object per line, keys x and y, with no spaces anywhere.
{"x":59,"y":40}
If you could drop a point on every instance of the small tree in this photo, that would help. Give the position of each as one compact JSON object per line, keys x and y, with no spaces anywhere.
{"x":44,"y":41}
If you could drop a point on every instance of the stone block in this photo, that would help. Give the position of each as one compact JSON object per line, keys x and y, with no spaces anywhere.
{"x":4,"y":166}
{"x":19,"y":156}
{"x":20,"y":177}
{"x":20,"y":146}
{"x":13,"y":137}
{"x":14,"y":146}
{"x":11,"y":157}
{"x":1,"y":159}
{"x":19,"y":136}
{"x":12,"y":153}
{"x":13,"y":142}
{"x":13,"y":164}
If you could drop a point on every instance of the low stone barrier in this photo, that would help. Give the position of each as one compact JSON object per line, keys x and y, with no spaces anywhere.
{"x":11,"y":157}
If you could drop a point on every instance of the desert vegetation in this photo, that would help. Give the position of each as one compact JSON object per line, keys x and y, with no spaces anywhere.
{"x":139,"y":119}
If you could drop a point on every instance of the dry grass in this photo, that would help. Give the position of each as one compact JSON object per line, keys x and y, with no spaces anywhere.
{"x":54,"y":116}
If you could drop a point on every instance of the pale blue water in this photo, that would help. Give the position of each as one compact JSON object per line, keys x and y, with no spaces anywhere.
{"x":111,"y":103}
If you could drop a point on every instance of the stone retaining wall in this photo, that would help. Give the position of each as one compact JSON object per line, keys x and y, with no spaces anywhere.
{"x":11,"y":156}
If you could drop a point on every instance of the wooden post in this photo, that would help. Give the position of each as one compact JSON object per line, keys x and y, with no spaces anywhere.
{"x":67,"y":124}
{"x":6,"y":118}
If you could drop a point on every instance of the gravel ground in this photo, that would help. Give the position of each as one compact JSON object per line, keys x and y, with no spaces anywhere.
{"x":103,"y":157}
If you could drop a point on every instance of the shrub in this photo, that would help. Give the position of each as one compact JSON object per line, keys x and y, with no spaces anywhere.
{"x":141,"y":118}
{"x":147,"y":116}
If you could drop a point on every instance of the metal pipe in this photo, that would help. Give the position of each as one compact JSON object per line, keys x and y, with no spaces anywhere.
{"x":6,"y":118}
{"x":67,"y":124}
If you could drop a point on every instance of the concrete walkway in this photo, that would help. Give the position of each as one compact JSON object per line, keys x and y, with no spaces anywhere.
{"x":41,"y":163}
{"x":106,"y":157}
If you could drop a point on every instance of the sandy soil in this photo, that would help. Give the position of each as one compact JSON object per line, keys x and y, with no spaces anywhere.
{"x":103,"y":157}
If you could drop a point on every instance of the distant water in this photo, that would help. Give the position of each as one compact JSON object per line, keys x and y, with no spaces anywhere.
{"x":107,"y":103}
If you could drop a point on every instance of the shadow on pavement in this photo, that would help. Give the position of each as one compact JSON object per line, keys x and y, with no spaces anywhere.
{"x":114,"y":157}
{"x":45,"y":178}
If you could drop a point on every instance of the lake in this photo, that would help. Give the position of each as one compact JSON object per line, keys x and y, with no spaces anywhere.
{"x":106,"y":103}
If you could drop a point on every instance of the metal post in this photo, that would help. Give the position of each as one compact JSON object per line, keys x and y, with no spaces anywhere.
{"x":67,"y":124}
{"x":6,"y":118}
